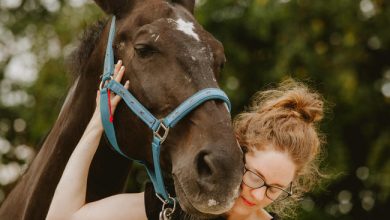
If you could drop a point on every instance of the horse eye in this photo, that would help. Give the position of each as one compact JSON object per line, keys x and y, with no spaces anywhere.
{"x":144,"y":51}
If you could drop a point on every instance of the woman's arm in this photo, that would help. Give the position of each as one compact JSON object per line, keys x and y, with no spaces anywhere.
{"x":69,"y":197}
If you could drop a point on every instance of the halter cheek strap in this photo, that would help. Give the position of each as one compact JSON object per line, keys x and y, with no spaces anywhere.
{"x":159,"y":127}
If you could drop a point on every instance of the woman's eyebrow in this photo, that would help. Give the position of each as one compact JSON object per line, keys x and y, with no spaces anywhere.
{"x":273,"y":184}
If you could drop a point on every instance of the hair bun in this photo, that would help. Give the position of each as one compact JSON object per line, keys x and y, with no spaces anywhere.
{"x":294,"y":97}
{"x":306,"y":105}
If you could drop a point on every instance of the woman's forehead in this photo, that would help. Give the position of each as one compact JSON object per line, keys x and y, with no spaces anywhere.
{"x":276,"y":167}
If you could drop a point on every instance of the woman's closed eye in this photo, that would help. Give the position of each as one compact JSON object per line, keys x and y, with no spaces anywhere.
{"x":273,"y":190}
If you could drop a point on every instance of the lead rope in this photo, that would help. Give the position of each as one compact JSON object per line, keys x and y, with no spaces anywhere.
{"x":109,"y":105}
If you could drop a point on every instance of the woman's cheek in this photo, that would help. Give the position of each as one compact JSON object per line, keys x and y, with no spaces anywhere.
{"x":244,"y":188}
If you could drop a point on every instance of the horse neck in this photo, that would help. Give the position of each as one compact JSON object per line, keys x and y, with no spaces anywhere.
{"x":39,"y":182}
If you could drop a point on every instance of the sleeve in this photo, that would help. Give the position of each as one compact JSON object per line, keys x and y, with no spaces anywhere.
{"x":274,"y":216}
{"x":152,"y":203}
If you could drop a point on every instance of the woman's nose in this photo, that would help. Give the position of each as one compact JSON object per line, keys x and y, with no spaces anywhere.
{"x":259,"y":193}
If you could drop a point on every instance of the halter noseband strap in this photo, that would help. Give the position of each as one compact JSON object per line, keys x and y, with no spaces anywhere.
{"x":160,"y":127}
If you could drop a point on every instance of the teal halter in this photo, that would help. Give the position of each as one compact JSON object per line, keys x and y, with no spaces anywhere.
{"x":160,"y":127}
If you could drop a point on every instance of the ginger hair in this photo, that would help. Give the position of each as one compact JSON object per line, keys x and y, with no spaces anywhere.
{"x":286,"y":118}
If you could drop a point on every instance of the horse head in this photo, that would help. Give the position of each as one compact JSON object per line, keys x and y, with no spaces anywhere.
{"x":168,"y":57}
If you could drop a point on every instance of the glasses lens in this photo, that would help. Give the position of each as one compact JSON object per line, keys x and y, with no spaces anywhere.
{"x":252,"y":180}
{"x":276,"y":194}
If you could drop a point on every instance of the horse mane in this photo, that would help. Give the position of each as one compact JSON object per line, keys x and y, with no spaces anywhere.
{"x":76,"y":61}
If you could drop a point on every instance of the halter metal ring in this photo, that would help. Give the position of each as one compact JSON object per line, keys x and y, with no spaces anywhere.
{"x":166,"y":202}
{"x":104,"y":81}
{"x":161,"y":128}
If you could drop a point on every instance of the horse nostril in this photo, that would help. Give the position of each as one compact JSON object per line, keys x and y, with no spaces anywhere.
{"x":203,"y":164}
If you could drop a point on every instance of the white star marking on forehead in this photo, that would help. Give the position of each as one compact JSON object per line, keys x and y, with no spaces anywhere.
{"x":187,"y":28}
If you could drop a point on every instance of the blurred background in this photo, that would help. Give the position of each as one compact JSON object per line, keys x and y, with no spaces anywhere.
{"x":339,"y":47}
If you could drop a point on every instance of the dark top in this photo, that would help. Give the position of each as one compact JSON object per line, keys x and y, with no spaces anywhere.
{"x":153,"y":207}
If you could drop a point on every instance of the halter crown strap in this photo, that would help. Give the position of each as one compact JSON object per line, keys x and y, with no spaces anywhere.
{"x":107,"y":74}
{"x":160,"y":127}
{"x":109,"y":57}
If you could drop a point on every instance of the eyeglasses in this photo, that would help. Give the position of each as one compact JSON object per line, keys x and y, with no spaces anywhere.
{"x":274,"y":193}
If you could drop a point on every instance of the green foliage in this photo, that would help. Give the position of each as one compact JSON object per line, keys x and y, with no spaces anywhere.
{"x":339,"y":47}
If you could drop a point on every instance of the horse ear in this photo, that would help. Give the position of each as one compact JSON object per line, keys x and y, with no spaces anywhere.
{"x":115,"y":7}
{"x":188,"y":4}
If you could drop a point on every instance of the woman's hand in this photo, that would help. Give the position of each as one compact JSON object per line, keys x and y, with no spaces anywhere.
{"x":114,"y":99}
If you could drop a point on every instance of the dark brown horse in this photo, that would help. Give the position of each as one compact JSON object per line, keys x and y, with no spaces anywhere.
{"x":168,"y":57}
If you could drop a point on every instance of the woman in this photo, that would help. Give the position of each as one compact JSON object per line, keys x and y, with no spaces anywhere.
{"x":281,"y":143}
{"x":283,"y":149}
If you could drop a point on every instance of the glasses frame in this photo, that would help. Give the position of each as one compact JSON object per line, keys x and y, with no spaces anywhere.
{"x":289,"y":193}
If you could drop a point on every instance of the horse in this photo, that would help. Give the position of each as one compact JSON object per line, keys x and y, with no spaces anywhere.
{"x":168,"y":57}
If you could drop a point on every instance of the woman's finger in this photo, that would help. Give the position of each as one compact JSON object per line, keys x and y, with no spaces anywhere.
{"x":117,"y":98}
{"x":117,"y":67}
{"x":119,"y":76}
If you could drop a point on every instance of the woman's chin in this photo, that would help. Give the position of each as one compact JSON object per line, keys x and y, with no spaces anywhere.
{"x":240,"y":208}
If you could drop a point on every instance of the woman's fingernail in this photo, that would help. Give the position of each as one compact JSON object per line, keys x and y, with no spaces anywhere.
{"x":119,"y":62}
{"x":122,"y":68}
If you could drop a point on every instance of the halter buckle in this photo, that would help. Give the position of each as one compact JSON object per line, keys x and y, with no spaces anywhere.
{"x":161,"y":132}
{"x":103,"y":82}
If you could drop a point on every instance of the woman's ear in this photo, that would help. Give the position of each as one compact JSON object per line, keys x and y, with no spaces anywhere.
{"x":117,"y":7}
{"x":188,"y":4}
